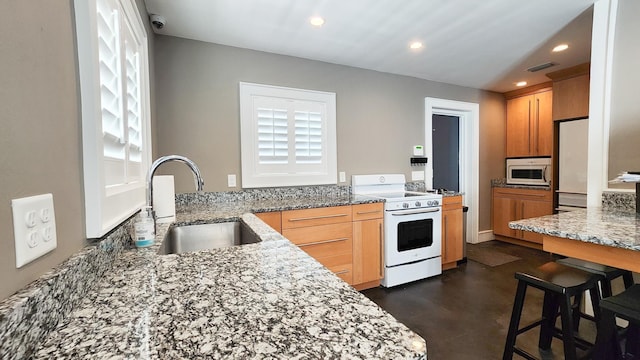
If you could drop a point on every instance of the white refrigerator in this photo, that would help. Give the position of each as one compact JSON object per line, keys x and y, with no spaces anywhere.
{"x":572,"y":164}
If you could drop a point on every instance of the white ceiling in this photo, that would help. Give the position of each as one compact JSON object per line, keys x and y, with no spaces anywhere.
{"x":485,"y":44}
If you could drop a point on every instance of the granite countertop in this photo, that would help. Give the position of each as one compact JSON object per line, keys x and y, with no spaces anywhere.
{"x":593,"y":225}
{"x":502,"y":183}
{"x":263,"y":300}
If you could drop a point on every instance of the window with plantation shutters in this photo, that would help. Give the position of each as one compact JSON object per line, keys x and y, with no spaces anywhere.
{"x":288,"y":136}
{"x":114,"y":84}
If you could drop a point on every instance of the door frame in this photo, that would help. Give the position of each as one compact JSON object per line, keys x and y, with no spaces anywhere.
{"x":469,"y":115}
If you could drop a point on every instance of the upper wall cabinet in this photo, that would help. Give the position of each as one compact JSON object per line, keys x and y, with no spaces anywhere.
{"x":529,"y":124}
{"x":570,"y":92}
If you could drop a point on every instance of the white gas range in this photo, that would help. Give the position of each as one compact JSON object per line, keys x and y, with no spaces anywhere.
{"x":412,"y":228}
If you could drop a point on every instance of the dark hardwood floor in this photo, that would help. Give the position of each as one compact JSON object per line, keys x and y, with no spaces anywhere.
{"x":464,"y":313}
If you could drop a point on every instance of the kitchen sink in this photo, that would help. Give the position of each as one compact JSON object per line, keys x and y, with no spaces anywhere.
{"x":180,"y":239}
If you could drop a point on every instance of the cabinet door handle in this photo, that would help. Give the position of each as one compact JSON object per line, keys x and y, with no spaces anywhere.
{"x":323,"y":242}
{"x":529,"y":124}
{"x":368,"y":212}
{"x":537,"y":128}
{"x":381,"y":251}
{"x":341,"y":272}
{"x":317,"y":217}
{"x":444,"y":243}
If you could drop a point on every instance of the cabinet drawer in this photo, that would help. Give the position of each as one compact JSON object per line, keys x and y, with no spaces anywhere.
{"x":336,"y":261}
{"x":315,"y":234}
{"x":367,"y":211}
{"x":451,"y":203}
{"x":344,"y":272}
{"x":319,"y":216}
{"x":524,"y":194}
{"x":273,"y":219}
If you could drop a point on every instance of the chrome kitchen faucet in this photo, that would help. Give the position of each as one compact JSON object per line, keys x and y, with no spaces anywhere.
{"x":194,"y":168}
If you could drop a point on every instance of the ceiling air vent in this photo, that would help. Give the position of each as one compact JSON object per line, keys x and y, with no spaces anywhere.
{"x":540,"y":67}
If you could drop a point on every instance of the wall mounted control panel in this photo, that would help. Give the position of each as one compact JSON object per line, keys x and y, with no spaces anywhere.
{"x":34,"y":227}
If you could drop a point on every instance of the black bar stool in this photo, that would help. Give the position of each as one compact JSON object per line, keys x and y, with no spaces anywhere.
{"x":625,"y":305}
{"x":609,"y":273}
{"x":560,"y":283}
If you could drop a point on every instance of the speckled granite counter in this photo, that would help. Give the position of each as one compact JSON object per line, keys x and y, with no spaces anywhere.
{"x":619,"y":229}
{"x":502,"y":183}
{"x":264,"y":300}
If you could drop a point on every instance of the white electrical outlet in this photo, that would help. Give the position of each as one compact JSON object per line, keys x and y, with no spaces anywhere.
{"x":231,"y":180}
{"x":343,"y":176}
{"x":417,"y":175}
{"x":34,"y":227}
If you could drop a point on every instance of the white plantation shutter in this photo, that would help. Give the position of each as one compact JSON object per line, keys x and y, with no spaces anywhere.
{"x":273,"y":138}
{"x":114,"y":84}
{"x":288,"y":136}
{"x":131,"y":79}
{"x":308,"y":137}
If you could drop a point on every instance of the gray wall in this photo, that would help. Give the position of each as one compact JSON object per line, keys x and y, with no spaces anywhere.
{"x":40,"y":140}
{"x":624,"y":147}
{"x":379,"y":115}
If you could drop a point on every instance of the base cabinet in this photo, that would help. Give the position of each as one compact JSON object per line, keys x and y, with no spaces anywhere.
{"x":516,"y":204}
{"x":452,"y":239}
{"x":348,"y":240}
{"x":367,"y":245}
{"x":325,"y":234}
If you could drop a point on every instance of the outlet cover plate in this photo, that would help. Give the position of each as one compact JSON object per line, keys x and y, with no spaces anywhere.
{"x":34,"y":227}
{"x":417,"y":175}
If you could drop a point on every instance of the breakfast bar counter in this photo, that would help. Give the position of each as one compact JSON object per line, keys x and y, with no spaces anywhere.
{"x":608,"y":237}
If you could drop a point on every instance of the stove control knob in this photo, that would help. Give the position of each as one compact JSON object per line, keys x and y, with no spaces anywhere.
{"x":432,"y":202}
{"x":418,"y":204}
{"x":405,"y":205}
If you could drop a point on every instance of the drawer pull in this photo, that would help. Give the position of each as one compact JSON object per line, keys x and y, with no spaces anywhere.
{"x":323,"y":242}
{"x":317,"y":217}
{"x":368,"y":212}
{"x":341,"y":272}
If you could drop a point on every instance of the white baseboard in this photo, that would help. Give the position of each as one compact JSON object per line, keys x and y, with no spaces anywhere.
{"x":485,"y":235}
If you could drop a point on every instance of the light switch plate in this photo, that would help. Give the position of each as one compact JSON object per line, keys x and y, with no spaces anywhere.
{"x":231,"y":180}
{"x":343,"y":176}
{"x":417,"y":175}
{"x":34,"y":227}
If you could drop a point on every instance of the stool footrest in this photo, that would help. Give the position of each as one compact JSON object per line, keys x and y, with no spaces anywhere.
{"x":530,"y":326}
{"x":524,"y":354}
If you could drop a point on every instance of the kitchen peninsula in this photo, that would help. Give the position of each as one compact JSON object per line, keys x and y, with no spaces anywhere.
{"x":600,"y":235}
{"x":263,"y":300}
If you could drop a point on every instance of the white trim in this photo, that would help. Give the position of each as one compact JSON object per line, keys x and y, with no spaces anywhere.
{"x":254,"y":174}
{"x":469,"y":114}
{"x":108,"y":206}
{"x":602,"y":46}
{"x":486,"y":235}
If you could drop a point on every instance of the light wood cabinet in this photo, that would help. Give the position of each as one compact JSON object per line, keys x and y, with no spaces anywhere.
{"x":348,"y":240}
{"x":516,"y":204}
{"x":272,"y":218}
{"x":452,"y":240}
{"x":367,"y":245}
{"x":326,"y":234}
{"x":570,"y":92}
{"x":530,"y":125}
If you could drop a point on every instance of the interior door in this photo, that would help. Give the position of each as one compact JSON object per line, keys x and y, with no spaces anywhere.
{"x":446,"y":152}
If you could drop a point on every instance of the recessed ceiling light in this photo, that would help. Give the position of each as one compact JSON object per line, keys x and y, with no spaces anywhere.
{"x":521,"y":83}
{"x":316,"y":21}
{"x":416,"y":45}
{"x":561,"y":47}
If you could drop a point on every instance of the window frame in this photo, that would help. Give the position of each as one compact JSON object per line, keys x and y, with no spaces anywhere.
{"x":107,"y":206}
{"x":256,"y":175}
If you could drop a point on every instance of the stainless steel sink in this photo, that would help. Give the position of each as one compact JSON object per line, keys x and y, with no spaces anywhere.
{"x":180,"y":239}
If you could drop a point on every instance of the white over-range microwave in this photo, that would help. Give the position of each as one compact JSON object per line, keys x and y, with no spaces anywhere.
{"x":529,"y":171}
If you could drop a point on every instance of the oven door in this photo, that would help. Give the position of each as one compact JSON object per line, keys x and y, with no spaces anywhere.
{"x":412,"y":235}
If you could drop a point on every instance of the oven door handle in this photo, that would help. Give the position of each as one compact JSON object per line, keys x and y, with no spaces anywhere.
{"x":413,"y":212}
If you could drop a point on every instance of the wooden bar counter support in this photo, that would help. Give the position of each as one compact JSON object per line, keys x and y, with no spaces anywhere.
{"x":600,"y":254}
